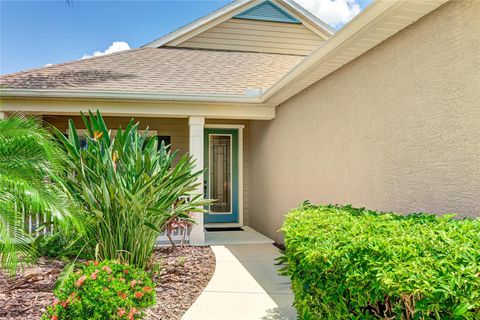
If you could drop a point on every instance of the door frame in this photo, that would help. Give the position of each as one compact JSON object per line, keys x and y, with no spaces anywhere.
{"x":240,"y":128}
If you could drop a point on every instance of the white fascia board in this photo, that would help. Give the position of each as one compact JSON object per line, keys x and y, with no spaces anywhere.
{"x":196,"y":24}
{"x":167,"y":109}
{"x":307,"y":15}
{"x":125,"y":95}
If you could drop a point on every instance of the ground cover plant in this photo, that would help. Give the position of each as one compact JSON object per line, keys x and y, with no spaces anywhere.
{"x":349,"y":263}
{"x":103,"y":290}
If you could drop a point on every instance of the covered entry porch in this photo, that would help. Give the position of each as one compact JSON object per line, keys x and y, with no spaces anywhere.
{"x":216,"y":135}
{"x":220,"y":146}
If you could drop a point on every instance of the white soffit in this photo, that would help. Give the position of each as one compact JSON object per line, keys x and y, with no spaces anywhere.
{"x":378,"y":22}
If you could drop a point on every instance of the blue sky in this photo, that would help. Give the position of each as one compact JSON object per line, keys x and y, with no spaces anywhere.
{"x":36,"y":33}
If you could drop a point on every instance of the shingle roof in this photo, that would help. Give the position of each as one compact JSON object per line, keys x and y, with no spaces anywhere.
{"x":165,"y":70}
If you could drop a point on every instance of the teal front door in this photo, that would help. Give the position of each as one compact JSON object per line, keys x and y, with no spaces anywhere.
{"x":221,"y":176}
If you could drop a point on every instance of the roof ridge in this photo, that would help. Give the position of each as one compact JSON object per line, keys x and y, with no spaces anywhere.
{"x":8,"y":75}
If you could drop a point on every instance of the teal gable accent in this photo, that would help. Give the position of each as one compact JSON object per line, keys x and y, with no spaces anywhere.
{"x":267,"y":11}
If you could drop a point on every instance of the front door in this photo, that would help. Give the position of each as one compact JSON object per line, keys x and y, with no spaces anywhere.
{"x":221,"y":176}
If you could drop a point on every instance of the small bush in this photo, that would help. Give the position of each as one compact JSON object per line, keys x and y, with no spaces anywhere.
{"x":348,"y":263}
{"x":106,"y":290}
{"x":60,"y":245}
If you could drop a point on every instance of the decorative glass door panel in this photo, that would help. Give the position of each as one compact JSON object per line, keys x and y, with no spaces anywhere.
{"x":221,"y":177}
{"x":220,"y":173}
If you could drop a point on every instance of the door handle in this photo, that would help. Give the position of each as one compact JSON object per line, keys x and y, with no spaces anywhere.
{"x":205,"y":188}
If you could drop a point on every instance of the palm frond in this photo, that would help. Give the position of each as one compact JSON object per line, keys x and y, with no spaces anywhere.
{"x":31,"y":161}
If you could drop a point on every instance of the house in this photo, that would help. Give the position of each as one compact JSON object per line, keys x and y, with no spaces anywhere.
{"x":279,"y":108}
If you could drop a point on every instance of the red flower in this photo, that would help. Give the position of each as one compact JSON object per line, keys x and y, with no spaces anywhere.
{"x":133,"y":283}
{"x":55,"y":302}
{"x":121,"y":312}
{"x":125,"y":271}
{"x":122,"y":295}
{"x":121,"y":280}
{"x":64,"y":304}
{"x":138,"y":295}
{"x":54,"y":317}
{"x":71,"y":298}
{"x":80,"y":281}
{"x":132,"y":313}
{"x":147,"y":289}
{"x":107,"y":269}
{"x":94,"y":276}
{"x":95,"y":263}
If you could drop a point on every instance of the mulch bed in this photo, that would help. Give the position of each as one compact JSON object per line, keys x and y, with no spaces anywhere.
{"x":183,"y":274}
{"x":27,"y":295}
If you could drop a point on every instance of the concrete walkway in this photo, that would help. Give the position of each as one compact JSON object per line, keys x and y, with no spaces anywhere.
{"x":245,"y":286}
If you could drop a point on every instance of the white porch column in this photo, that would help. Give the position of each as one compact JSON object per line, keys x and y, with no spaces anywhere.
{"x":3,"y":115}
{"x":196,"y":126}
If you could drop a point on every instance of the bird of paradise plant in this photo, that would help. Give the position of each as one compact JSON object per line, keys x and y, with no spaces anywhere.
{"x":130,"y":185}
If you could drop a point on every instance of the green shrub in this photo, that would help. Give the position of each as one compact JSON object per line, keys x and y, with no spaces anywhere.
{"x":105,"y":290}
{"x":348,"y":263}
{"x":60,"y":245}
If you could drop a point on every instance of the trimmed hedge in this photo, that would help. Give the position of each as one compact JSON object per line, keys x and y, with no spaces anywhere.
{"x":349,"y":263}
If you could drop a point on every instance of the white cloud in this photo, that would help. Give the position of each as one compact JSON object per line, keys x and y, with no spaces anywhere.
{"x":48,"y":65}
{"x":116,"y":46}
{"x":334,"y":12}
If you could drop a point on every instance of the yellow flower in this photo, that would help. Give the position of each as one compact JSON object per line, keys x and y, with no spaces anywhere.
{"x":97,"y":135}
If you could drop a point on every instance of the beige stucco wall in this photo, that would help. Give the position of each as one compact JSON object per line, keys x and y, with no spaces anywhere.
{"x":396,"y":129}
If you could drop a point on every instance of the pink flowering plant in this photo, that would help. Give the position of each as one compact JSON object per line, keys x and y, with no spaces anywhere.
{"x":103,"y":290}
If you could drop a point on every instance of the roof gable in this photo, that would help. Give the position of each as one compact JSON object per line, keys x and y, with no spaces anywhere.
{"x":248,"y":10}
{"x":267,"y":11}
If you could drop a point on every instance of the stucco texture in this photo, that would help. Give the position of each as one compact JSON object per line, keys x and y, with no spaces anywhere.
{"x":397,"y":129}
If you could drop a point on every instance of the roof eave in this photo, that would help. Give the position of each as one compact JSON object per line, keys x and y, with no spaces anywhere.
{"x":370,"y":18}
{"x":125,"y":95}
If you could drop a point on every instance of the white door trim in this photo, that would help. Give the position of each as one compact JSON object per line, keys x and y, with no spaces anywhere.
{"x":240,"y":128}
